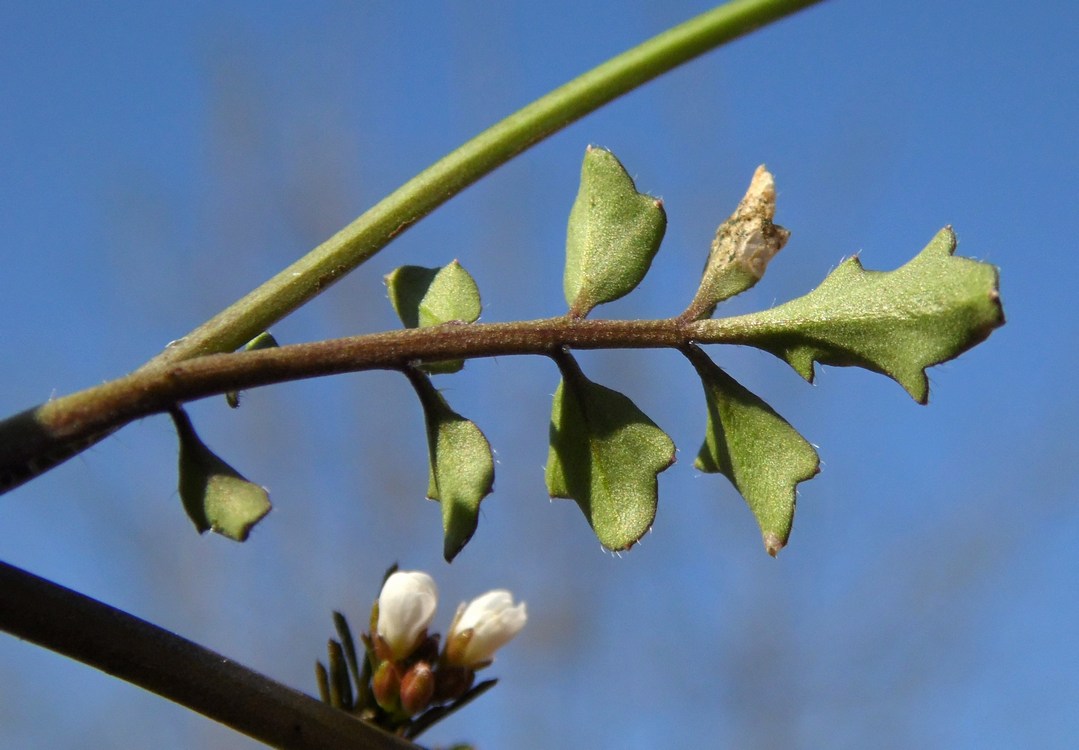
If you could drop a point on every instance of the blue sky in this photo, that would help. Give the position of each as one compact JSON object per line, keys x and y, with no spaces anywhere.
{"x":160,"y":160}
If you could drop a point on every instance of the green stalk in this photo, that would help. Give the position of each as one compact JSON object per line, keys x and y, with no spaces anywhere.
{"x":334,"y":258}
{"x":33,"y":442}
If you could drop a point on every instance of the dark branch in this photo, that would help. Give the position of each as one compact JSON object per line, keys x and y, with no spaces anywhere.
{"x":38,"y":439}
{"x":124,"y":646}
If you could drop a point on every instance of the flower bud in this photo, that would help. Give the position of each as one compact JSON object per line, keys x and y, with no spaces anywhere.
{"x":386,"y":686}
{"x":417,"y":688}
{"x":483,"y":626}
{"x":427,"y":650}
{"x":406,"y":607}
{"x":452,"y":683}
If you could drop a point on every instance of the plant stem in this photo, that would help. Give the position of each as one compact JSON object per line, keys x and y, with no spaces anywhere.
{"x":80,"y":417}
{"x":372,"y":231}
{"x":30,"y":444}
{"x":38,"y":439}
{"x":164,"y":663}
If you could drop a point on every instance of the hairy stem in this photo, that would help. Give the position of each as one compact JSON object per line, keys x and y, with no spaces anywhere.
{"x":124,"y":646}
{"x":80,"y":417}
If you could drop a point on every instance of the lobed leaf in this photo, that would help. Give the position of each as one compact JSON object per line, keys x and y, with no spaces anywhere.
{"x":613,"y":234}
{"x":461,"y":468}
{"x":755,"y":448}
{"x":606,"y":454}
{"x":215,"y":496}
{"x":897,"y":322}
{"x":425,"y":297}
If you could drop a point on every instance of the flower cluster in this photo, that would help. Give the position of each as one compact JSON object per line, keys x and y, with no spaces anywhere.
{"x":411,"y":674}
{"x":407,"y":681}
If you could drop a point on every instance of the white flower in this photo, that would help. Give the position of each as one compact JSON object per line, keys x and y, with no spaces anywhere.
{"x":406,"y":607}
{"x":483,"y":626}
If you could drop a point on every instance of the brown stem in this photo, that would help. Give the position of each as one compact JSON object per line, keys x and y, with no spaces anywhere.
{"x":38,"y":439}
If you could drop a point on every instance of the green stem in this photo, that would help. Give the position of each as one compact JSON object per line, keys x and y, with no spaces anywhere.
{"x":372,"y":231}
{"x":124,"y":646}
{"x":38,"y":439}
{"x":30,"y":443}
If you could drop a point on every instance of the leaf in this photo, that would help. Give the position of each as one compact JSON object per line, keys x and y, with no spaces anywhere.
{"x":896,"y":323}
{"x":613,"y":234}
{"x":461,"y":470}
{"x":742,"y":248}
{"x":264,"y":340}
{"x":322,"y":678}
{"x":340,"y":687}
{"x":348,"y":646}
{"x":422,"y":722}
{"x":606,"y":454}
{"x":425,"y":297}
{"x":214,"y":494}
{"x":755,"y":448}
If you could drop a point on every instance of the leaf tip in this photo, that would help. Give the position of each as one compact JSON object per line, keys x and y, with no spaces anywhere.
{"x":915,"y":383}
{"x":239,"y":530}
{"x":451,"y":547}
{"x":772,"y":543}
{"x":948,"y":238}
{"x":801,"y":361}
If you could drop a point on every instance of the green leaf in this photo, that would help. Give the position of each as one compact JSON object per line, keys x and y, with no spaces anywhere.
{"x":755,"y":448}
{"x":613,"y":234}
{"x":424,"y":297}
{"x":340,"y":687}
{"x":605,"y":454}
{"x":264,"y":340}
{"x":214,"y":494}
{"x":742,"y":248}
{"x":897,"y":322}
{"x":461,"y":466}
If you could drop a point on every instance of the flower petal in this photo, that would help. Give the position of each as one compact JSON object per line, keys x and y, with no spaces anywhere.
{"x":406,"y":608}
{"x":483,"y":626}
